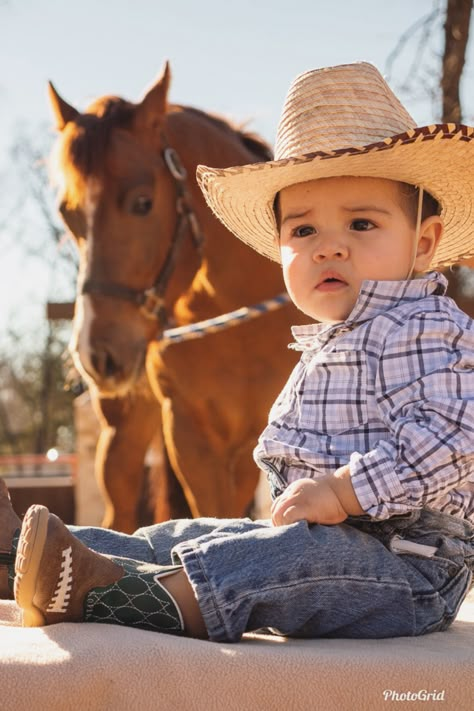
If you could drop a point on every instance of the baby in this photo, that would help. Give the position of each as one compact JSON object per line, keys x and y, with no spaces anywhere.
{"x":369,"y":449}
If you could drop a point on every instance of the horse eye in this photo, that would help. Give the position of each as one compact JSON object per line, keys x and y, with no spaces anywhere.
{"x":142,"y":205}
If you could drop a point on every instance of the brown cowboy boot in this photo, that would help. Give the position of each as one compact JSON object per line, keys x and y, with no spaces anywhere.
{"x":59,"y":579}
{"x":9,"y":525}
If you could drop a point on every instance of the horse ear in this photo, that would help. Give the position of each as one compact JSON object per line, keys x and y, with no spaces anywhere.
{"x":63,"y":112}
{"x":154,"y":104}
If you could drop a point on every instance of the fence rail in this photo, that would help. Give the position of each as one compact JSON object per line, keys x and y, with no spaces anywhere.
{"x":25,"y":470}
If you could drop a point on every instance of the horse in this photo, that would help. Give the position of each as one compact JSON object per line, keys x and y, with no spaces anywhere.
{"x":461,"y":286}
{"x":153,"y":256}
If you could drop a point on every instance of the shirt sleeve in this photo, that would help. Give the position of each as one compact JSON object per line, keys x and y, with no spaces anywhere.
{"x":425,"y":393}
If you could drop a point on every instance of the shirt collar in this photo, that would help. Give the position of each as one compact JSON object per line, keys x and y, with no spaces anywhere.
{"x":375,"y":298}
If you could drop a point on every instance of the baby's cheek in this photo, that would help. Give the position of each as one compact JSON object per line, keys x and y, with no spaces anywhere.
{"x":292,"y":271}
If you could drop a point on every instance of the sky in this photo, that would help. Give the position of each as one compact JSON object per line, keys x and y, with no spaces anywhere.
{"x":234,"y":58}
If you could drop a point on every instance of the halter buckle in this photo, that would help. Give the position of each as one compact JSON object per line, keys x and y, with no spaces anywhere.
{"x":153,"y":306}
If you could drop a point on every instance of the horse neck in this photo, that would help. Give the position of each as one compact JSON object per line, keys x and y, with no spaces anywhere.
{"x":232,"y":274}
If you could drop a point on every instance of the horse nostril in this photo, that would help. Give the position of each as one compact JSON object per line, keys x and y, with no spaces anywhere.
{"x":104,"y":363}
{"x":111,"y":367}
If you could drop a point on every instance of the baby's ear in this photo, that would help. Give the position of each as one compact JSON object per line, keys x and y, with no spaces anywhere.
{"x":431,"y":231}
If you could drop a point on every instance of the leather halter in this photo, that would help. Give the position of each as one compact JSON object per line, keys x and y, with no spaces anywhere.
{"x":151,"y":301}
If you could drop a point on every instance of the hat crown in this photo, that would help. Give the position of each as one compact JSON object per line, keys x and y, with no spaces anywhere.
{"x":350,"y":105}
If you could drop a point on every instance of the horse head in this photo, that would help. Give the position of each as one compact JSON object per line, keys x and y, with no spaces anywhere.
{"x":123,"y":197}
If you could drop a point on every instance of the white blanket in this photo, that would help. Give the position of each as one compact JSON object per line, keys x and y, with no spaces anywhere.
{"x":93,"y":667}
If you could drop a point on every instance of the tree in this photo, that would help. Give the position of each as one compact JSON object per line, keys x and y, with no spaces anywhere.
{"x":35,"y":409}
{"x":456,"y":35}
{"x":448,"y":23}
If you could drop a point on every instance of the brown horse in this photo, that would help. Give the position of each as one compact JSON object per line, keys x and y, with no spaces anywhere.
{"x":153,"y":255}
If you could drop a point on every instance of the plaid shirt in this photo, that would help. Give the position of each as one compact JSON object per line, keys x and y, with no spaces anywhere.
{"x":389,"y":391}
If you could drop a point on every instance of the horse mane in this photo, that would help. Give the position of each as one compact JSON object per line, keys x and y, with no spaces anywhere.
{"x":82,"y":150}
{"x":251,"y":140}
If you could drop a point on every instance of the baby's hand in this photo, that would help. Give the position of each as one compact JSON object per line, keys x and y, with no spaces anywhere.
{"x":308,"y":500}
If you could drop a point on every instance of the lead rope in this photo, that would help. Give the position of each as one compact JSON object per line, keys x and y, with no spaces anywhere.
{"x":220,"y":323}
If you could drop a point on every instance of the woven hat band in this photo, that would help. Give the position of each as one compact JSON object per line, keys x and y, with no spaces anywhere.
{"x":329,"y":110}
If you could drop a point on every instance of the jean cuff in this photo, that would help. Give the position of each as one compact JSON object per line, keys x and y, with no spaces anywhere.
{"x":190,"y":557}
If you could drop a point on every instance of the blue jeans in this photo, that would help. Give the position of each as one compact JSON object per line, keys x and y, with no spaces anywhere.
{"x":311,"y":580}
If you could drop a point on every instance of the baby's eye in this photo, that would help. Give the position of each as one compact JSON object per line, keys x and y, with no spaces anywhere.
{"x":303,"y":231}
{"x":361,"y":225}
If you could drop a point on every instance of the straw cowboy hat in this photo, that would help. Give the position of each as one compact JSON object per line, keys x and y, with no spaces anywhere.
{"x":345,"y":120}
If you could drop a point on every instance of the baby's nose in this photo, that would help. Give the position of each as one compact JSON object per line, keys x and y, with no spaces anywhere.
{"x":330,"y":250}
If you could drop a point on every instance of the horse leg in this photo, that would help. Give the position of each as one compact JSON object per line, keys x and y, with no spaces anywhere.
{"x":166,"y":491}
{"x":128,"y":425}
{"x":218,"y":478}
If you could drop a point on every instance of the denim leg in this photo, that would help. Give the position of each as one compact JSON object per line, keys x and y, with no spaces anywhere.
{"x":313,"y":581}
{"x":151,"y":544}
{"x":163,"y":537}
{"x":103,"y":540}
{"x":300,"y":580}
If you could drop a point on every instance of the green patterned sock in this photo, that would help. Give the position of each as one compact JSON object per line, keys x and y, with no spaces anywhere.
{"x":137,"y":600}
{"x":8,"y":559}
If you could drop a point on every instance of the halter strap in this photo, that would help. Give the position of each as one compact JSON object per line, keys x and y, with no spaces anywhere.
{"x":151,"y":301}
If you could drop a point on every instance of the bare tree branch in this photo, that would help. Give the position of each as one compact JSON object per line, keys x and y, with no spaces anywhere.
{"x":425,"y":24}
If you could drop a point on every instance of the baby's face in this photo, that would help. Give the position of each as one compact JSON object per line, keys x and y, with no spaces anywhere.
{"x":336,"y":232}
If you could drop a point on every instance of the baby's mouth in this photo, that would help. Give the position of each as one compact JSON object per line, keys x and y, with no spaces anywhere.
{"x":331,"y":283}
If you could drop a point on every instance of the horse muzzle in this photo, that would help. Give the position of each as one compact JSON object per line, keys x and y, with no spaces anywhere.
{"x":111,"y":373}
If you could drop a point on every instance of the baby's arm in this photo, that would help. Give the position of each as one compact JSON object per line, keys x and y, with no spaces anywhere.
{"x":425,"y":395}
{"x":327,"y":501}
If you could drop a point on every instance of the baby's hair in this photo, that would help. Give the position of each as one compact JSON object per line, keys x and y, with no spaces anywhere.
{"x":277,"y":211}
{"x":409,"y":195}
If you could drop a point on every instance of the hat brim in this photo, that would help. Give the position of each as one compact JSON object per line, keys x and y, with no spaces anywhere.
{"x":440,"y":158}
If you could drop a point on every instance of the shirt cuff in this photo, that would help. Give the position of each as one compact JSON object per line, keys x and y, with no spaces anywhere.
{"x":377,"y":485}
